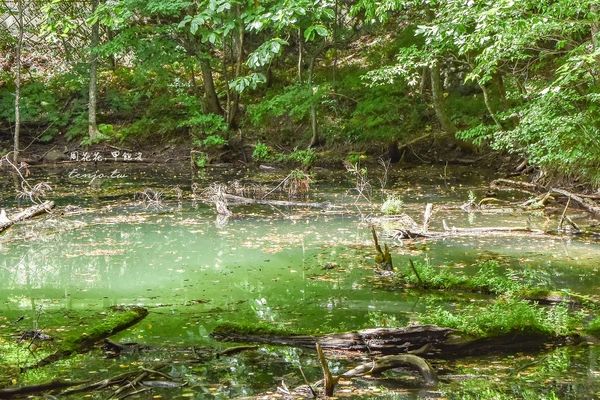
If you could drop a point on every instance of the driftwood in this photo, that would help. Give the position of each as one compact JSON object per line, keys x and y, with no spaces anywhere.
{"x":586,"y":203}
{"x":583,"y":200}
{"x":26,"y":214}
{"x":382,"y":364}
{"x":509,"y":184}
{"x":479,"y":231}
{"x":430,"y":340}
{"x":118,"y":322}
{"x":246,"y":200}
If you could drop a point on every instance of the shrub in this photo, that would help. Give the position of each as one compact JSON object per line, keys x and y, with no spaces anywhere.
{"x":392,"y":206}
{"x":262,"y":152}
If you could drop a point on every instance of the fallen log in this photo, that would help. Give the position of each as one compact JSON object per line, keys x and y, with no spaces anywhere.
{"x":379,"y":340}
{"x":119,"y":320}
{"x":14,"y":392}
{"x":26,"y":214}
{"x":246,"y":200}
{"x":509,"y":184}
{"x":403,"y":234}
{"x":434,"y":341}
{"x":586,"y":203}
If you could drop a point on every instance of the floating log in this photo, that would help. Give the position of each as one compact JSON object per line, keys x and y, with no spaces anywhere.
{"x":30,"y":212}
{"x":437,"y":342}
{"x":246,"y":200}
{"x":119,"y":320}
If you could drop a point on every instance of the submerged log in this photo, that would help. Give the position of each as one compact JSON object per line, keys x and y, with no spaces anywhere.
{"x":434,"y":341}
{"x":14,"y":392}
{"x":26,"y":214}
{"x":247,"y":200}
{"x":119,"y":320}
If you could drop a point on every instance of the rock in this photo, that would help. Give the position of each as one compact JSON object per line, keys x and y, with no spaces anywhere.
{"x":55,"y":155}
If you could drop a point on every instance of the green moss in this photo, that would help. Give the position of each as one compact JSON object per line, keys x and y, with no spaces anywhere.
{"x":114,"y":321}
{"x":503,"y":317}
{"x":489,"y":279}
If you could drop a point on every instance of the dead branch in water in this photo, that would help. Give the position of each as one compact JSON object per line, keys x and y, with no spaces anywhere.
{"x":246,"y":200}
{"x":25,"y":214}
{"x":586,"y":203}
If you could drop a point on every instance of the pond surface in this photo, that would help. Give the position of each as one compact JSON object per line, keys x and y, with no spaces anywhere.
{"x":297,"y":268}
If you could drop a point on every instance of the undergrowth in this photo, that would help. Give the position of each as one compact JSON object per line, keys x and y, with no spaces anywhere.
{"x":503,"y":317}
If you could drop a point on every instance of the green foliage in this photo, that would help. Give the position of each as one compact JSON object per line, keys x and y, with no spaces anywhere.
{"x":593,"y":328}
{"x":480,"y":389}
{"x":262,"y":152}
{"x":392,"y":205}
{"x":305,"y":157}
{"x":384,"y":113}
{"x":502,"y":317}
{"x":214,"y":141}
{"x":354,"y":158}
{"x":489,"y":278}
{"x":293,"y":102}
{"x":201,"y":160}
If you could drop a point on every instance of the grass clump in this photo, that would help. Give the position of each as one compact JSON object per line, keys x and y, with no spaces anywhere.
{"x":392,"y":206}
{"x":489,"y":279}
{"x":504,"y":317}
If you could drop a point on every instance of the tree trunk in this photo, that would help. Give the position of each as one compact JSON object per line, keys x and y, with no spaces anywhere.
{"x":18,"y":84}
{"x":300,"y":50}
{"x":489,"y":106}
{"x":424,"y":79}
{"x":314,"y":127}
{"x":211,"y":100}
{"x":595,"y":8}
{"x":93,"y":88}
{"x":438,"y":100}
{"x":235,"y":101}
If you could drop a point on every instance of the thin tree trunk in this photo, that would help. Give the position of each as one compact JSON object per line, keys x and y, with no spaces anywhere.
{"x":18,"y":84}
{"x":499,"y":81}
{"x":93,"y":88}
{"x":335,"y":45}
{"x":489,"y":106}
{"x":438,"y":100}
{"x":211,"y":100}
{"x":300,"y":50}
{"x":234,"y":109}
{"x":595,"y":8}
{"x":424,"y":79}
{"x":313,"y":107}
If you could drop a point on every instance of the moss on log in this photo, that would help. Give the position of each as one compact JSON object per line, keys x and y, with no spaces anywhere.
{"x":119,"y":319}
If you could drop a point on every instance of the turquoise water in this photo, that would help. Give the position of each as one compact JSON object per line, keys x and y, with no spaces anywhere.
{"x":286,"y":267}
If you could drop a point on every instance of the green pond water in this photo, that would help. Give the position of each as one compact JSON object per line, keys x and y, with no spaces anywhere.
{"x":265,"y":265}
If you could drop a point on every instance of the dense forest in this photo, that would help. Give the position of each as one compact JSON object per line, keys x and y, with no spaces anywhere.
{"x":519,"y":77}
{"x":276,"y":199}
